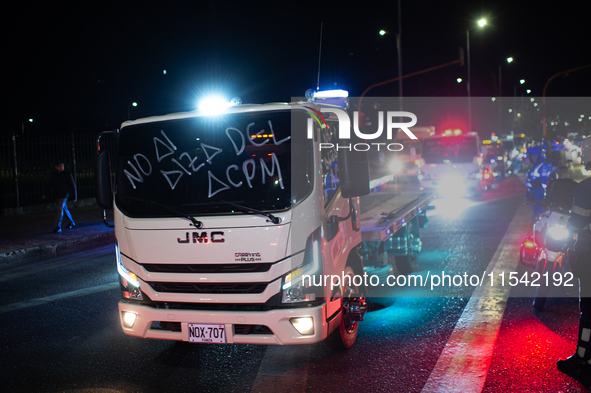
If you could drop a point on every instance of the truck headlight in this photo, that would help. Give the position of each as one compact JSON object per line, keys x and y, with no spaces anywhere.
{"x":130,"y":285}
{"x":295,"y":285}
{"x":304,"y":325}
{"x":128,"y":318}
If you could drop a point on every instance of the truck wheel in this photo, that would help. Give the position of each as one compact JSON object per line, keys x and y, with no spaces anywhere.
{"x":404,"y":262}
{"x":344,"y":336}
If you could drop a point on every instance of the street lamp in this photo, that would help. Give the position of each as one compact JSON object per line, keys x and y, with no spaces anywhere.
{"x":500,"y":93}
{"x":399,"y":52}
{"x":30,"y":120}
{"x":481,"y":23}
{"x":134,"y":104}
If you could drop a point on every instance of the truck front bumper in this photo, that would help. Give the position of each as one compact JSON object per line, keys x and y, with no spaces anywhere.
{"x":172,"y":324}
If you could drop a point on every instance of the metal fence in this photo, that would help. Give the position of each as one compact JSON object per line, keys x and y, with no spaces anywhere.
{"x":27,"y":161}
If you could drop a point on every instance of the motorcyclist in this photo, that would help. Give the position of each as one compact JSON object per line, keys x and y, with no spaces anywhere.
{"x":542,"y":169}
{"x":579,"y":364}
{"x":535,"y":157}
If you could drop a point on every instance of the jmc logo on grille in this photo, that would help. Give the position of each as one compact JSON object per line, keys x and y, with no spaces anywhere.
{"x":215,"y":237}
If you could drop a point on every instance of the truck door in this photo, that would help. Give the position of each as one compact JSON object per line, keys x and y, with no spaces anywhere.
{"x":335,"y":207}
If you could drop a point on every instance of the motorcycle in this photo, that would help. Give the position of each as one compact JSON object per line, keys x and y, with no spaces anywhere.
{"x":544,"y":249}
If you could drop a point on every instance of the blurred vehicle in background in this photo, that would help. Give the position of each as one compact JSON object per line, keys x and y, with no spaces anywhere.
{"x":452,"y":163}
{"x":572,"y":151}
{"x":515,"y":154}
{"x":406,"y":161}
{"x":496,"y":158}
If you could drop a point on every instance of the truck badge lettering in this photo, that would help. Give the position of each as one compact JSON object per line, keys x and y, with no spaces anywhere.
{"x":215,"y":237}
{"x":247,"y":257}
{"x":200,"y":238}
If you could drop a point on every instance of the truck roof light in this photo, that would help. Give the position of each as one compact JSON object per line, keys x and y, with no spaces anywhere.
{"x":335,"y":97}
{"x":213,"y":105}
{"x":332,"y":94}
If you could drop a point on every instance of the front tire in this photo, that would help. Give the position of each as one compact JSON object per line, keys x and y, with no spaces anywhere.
{"x":345,"y":335}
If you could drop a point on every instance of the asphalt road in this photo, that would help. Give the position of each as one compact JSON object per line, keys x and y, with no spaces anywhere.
{"x":60,"y":330}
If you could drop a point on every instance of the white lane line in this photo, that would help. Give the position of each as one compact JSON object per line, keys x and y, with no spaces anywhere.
{"x":48,"y":264}
{"x":465,"y":360}
{"x":59,"y":296}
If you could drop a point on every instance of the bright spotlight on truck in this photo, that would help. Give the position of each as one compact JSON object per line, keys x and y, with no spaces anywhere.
{"x":212,"y":105}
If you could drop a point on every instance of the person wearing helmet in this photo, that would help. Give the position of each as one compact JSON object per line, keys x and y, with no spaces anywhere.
{"x":543,"y":169}
{"x":579,"y":365}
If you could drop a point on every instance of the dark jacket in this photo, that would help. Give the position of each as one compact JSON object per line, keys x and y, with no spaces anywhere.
{"x":62,"y":185}
{"x":581,"y":210}
{"x":579,"y":222}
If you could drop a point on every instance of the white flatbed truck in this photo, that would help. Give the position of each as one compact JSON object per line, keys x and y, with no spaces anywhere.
{"x":219,"y":218}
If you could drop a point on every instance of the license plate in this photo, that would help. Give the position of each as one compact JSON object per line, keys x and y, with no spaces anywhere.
{"x":207,"y":333}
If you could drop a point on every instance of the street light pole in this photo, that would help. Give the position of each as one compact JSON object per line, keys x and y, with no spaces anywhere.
{"x":399,"y":53}
{"x":468,"y":83}
{"x":481,"y":23}
{"x":134,"y":104}
{"x":399,"y":47}
{"x":544,"y":114}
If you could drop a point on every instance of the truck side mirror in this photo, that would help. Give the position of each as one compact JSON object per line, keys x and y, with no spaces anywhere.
{"x":353,"y":173}
{"x":103,"y":181}
{"x":484,"y":150}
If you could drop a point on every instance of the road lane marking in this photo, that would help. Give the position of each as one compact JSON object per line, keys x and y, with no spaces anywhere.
{"x":463,"y":365}
{"x":59,"y":296}
{"x":48,"y":264}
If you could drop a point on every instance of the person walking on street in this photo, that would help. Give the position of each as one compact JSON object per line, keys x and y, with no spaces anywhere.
{"x":61,"y":183}
{"x":578,"y":365}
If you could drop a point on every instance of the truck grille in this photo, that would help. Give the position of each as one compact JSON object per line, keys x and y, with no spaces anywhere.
{"x":166,"y":325}
{"x":252,"y":329}
{"x":208,"y":268}
{"x":218,"y":288}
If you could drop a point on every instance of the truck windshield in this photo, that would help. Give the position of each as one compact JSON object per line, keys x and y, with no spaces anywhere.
{"x":197,"y":165}
{"x":455,"y":149}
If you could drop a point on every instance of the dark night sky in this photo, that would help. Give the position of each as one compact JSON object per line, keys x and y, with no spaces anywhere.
{"x":77,"y":67}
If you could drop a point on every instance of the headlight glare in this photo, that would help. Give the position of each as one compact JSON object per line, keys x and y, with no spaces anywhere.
{"x":557,"y":232}
{"x":130,"y":285}
{"x":128,"y":318}
{"x":304,"y":325}
{"x":293,"y":288}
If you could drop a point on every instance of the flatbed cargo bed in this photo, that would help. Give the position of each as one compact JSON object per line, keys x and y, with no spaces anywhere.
{"x":383,"y":213}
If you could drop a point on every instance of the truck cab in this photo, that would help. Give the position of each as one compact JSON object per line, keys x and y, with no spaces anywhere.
{"x":220,"y":218}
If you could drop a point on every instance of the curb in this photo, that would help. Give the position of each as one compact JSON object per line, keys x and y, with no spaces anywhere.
{"x":20,"y":257}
